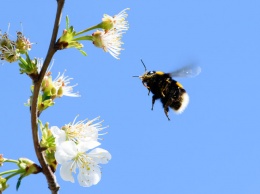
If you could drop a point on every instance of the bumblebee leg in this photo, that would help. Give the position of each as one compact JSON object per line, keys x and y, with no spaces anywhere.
{"x":166,"y":107}
{"x":153,"y":100}
{"x":166,"y":110}
{"x":162,"y":94}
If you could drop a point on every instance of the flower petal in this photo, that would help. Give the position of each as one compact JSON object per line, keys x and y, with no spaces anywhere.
{"x":60,"y":135}
{"x":85,"y":146}
{"x":90,"y":177}
{"x":65,"y":151}
{"x":100,"y":155}
{"x":66,"y":171}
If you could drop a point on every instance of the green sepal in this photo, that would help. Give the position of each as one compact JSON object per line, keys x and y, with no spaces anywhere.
{"x":27,"y":65}
{"x":67,"y":22}
{"x":27,"y":167}
{"x":19,"y":182}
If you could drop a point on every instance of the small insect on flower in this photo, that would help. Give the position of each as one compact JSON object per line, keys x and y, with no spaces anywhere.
{"x":170,"y":92}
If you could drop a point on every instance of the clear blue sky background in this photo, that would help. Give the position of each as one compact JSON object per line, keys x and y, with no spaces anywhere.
{"x":212,"y":148}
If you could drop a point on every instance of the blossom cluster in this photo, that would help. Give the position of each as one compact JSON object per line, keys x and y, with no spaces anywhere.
{"x":52,"y":88}
{"x":10,"y":50}
{"x":77,"y":148}
{"x":108,"y":37}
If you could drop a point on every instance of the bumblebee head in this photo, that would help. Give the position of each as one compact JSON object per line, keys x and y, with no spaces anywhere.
{"x":147,"y":74}
{"x":150,"y":73}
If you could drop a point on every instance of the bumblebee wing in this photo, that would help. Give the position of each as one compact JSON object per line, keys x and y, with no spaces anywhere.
{"x":186,"y":71}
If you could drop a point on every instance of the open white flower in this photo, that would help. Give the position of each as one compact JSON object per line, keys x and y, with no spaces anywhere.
{"x":119,"y":21}
{"x":72,"y":156}
{"x":81,"y":131}
{"x":110,"y":41}
{"x":61,"y":83}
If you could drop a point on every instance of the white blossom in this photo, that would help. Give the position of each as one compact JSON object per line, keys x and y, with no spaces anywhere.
{"x":119,"y":21}
{"x":61,"y":83}
{"x":74,"y":156}
{"x":81,"y":131}
{"x":110,"y":41}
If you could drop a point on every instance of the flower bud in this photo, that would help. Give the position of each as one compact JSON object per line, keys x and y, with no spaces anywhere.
{"x":2,"y":160}
{"x":47,"y":86}
{"x":3,"y":184}
{"x":29,"y":166}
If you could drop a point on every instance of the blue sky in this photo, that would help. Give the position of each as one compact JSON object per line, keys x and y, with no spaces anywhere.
{"x":212,"y":148}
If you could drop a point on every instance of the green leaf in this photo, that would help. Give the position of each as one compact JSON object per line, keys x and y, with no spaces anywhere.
{"x":83,"y":52}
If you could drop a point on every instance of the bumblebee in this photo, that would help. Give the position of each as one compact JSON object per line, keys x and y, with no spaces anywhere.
{"x":170,"y":92}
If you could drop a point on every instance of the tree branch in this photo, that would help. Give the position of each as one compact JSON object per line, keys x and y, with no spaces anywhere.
{"x":51,"y":179}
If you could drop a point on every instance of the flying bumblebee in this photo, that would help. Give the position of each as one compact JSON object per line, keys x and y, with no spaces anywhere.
{"x":170,"y":92}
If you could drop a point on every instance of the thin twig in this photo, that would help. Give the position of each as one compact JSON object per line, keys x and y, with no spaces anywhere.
{"x":52,"y":184}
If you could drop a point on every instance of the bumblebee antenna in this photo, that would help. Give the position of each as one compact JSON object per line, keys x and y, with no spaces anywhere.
{"x":144,"y":69}
{"x":144,"y":65}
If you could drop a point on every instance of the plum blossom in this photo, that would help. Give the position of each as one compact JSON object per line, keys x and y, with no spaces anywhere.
{"x":81,"y":131}
{"x":110,"y":41}
{"x":61,"y":84}
{"x":74,"y":156}
{"x":118,"y":21}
